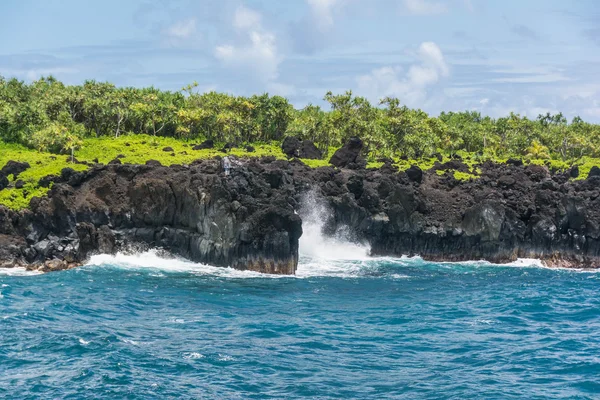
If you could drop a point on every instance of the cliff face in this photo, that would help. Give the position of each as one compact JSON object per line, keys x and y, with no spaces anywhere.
{"x":193,"y":211}
{"x":247,"y":220}
{"x":510,"y":212}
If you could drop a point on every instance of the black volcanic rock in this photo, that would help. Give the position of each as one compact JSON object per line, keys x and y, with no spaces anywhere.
{"x":594,"y":171}
{"x":309,"y":151}
{"x":349,"y":155}
{"x":291,"y":146}
{"x":3,"y":181}
{"x":415,"y":174}
{"x":14,"y":168}
{"x":574,"y":172}
{"x":207,"y":144}
{"x":248,"y":220}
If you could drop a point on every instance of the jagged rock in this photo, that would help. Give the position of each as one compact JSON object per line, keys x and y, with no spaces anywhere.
{"x":349,"y":155}
{"x":291,"y":146}
{"x":456,"y":165}
{"x":594,"y":171}
{"x":3,"y":182}
{"x":14,"y":168}
{"x":574,"y":172}
{"x":309,"y":151}
{"x":248,"y":220}
{"x":415,"y":174}
{"x":207,"y":144}
{"x":517,"y":162}
{"x":46,"y":181}
{"x":227,"y":147}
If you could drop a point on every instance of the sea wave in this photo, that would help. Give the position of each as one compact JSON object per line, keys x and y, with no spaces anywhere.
{"x":158,"y":264}
{"x":18,"y":271}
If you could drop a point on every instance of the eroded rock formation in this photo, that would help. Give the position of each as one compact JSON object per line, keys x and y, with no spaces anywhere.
{"x":248,"y":220}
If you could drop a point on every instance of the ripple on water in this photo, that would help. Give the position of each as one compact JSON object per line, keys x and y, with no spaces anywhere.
{"x":366,"y":328}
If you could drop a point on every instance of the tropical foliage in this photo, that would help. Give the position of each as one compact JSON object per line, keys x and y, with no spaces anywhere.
{"x":48,"y":115}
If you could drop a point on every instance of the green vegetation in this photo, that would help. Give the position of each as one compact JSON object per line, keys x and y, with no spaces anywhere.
{"x":46,"y":122}
{"x":48,"y":115}
{"x":42,"y":164}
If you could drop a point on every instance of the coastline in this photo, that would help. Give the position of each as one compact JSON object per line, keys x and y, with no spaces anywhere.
{"x":253,"y":220}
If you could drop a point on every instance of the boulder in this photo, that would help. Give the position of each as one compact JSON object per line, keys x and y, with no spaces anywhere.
{"x":309,"y":151}
{"x":167,"y":149}
{"x":517,"y":162}
{"x":291,"y":146}
{"x":227,"y":147}
{"x":574,"y":172}
{"x":595,"y":171}
{"x":19,"y":184}
{"x":14,"y":168}
{"x":207,"y":144}
{"x":3,"y":182}
{"x":349,"y":155}
{"x":415,"y":174}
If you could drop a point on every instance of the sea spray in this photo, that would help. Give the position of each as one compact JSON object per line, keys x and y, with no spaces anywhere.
{"x":315,"y":244}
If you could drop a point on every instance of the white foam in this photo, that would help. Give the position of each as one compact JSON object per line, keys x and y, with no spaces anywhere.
{"x":192,"y":356}
{"x":17,"y":271}
{"x":152,"y":260}
{"x":314,"y":244}
{"x":83,"y":342}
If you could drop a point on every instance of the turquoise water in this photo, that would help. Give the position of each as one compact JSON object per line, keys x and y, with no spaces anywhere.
{"x":141,"y":327}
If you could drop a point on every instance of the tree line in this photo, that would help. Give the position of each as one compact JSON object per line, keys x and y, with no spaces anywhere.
{"x":50,"y":116}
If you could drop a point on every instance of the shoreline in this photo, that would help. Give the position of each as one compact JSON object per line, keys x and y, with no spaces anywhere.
{"x":254,"y":219}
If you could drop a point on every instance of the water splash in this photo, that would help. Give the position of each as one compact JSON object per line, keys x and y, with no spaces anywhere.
{"x":315,"y":245}
{"x":158,"y":262}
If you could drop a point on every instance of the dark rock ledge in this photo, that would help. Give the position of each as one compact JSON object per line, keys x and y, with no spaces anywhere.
{"x":248,"y":221}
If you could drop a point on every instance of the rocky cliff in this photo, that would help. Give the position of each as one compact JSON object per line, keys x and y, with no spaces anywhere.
{"x":248,"y":220}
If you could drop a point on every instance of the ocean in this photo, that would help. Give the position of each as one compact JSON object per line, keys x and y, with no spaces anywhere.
{"x":347,"y":326}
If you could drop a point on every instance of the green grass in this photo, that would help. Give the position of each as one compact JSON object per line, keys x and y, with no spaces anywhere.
{"x":134,"y":149}
{"x":42,"y":164}
{"x":137,"y":149}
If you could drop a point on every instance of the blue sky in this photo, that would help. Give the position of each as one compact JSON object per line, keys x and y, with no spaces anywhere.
{"x":493,"y":56}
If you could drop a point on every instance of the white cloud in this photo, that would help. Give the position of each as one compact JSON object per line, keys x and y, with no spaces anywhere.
{"x":529,"y":74}
{"x":411,"y":87}
{"x":432,"y":56}
{"x":182,"y":29}
{"x":281,"y":89}
{"x":424,"y":7}
{"x":322,"y":11}
{"x":257,"y":51}
{"x":32,"y":74}
{"x":245,"y":18}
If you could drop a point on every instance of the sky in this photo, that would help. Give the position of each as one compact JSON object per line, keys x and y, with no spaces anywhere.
{"x":496,"y":57}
